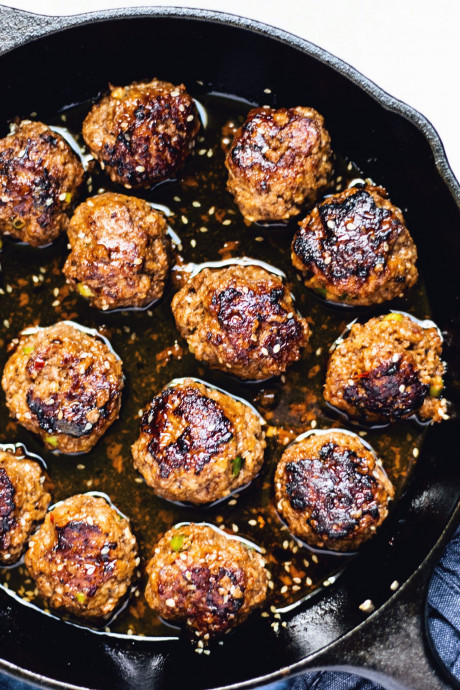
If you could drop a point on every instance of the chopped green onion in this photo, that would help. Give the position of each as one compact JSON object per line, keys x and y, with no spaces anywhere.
{"x":177,"y":542}
{"x":393,"y":317}
{"x":435,"y":391}
{"x":321,"y":291}
{"x":28,"y":349}
{"x":237,"y":465}
{"x":18,"y":223}
{"x":68,"y":197}
{"x":80,"y":597}
{"x":84,"y":290}
{"x":52,"y":440}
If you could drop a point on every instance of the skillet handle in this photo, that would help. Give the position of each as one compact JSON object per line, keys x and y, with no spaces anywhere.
{"x":17,"y":26}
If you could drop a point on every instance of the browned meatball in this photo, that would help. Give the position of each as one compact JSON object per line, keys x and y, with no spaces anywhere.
{"x":387,"y":369}
{"x":240,"y":319}
{"x":23,"y":503}
{"x":63,"y":385}
{"x":201,"y":577}
{"x":142,"y":133}
{"x":332,"y":491}
{"x":39,"y":178}
{"x":83,"y":557}
{"x":354,"y":248}
{"x":198,"y":444}
{"x":119,"y":252}
{"x":279,"y":159}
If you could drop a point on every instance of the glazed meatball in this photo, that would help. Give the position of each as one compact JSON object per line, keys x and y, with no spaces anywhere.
{"x":83,"y":557}
{"x":201,"y":577}
{"x":198,"y":444}
{"x":240,"y":319}
{"x":39,"y":178}
{"x":63,"y":385}
{"x":354,"y":248}
{"x":119,"y":252}
{"x":387,"y":369}
{"x":23,"y":503}
{"x":142,"y":133}
{"x":332,"y":491}
{"x":279,"y":159}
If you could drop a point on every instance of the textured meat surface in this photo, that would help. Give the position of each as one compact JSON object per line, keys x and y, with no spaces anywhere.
{"x":355,"y":248}
{"x":331,"y":491}
{"x":39,"y":179}
{"x":201,"y":578}
{"x":279,"y":159}
{"x":119,"y":252}
{"x":240,"y":319}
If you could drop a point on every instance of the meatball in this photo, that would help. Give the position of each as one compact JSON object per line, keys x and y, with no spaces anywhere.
{"x":279,"y":159}
{"x":39,"y":178}
{"x":387,"y":369}
{"x":63,"y":385}
{"x":198,"y":444}
{"x":332,"y":491}
{"x":119,"y":252}
{"x":354,"y":248}
{"x":142,"y":133}
{"x":83,"y":557}
{"x":203,"y":578}
{"x":240,"y":319}
{"x":23,"y":503}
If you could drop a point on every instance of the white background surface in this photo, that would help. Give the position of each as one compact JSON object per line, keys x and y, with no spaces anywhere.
{"x":411,"y":48}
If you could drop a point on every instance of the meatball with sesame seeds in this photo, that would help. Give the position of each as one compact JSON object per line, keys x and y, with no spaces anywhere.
{"x":354,"y":248}
{"x":119,"y":252}
{"x":23,"y":503}
{"x":198,"y":444}
{"x":240,"y":319}
{"x":40,"y":177}
{"x":332,"y":491}
{"x":64,"y":385}
{"x":202,"y":578}
{"x":278,"y":161}
{"x":142,"y":133}
{"x":83,"y":557}
{"x":388,"y":369}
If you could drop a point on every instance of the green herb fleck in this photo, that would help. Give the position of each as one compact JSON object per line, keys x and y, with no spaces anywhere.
{"x":18,"y":223}
{"x":177,"y":542}
{"x":68,"y":197}
{"x":321,"y":291}
{"x":80,"y":597}
{"x":52,"y":440}
{"x":28,"y":349}
{"x":237,"y":465}
{"x":393,"y":317}
{"x":84,"y":290}
{"x":435,"y":391}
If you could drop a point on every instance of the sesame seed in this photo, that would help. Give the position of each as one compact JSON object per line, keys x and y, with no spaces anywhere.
{"x":330,"y":224}
{"x":226,"y":222}
{"x":62,"y":196}
{"x":232,"y":502}
{"x":394,"y":585}
{"x":210,"y":153}
{"x":235,"y":528}
{"x":184,"y":219}
{"x":259,"y":239}
{"x":415,"y":452}
{"x":277,"y":348}
{"x":264,"y":351}
{"x":367,"y":606}
{"x":253,"y":523}
{"x":140,"y":168}
{"x":193,"y":243}
{"x":203,"y":229}
{"x":318,"y":352}
{"x":170,"y":602}
{"x":284,"y":589}
{"x":313,"y":423}
{"x":350,"y":226}
{"x":402,"y":388}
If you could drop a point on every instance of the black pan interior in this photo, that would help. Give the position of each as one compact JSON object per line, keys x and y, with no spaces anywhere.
{"x":73,"y":66}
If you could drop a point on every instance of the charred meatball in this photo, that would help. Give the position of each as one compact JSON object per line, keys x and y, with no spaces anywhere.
{"x":279,"y":159}
{"x":63,"y":385}
{"x":39,"y":178}
{"x":198,"y":444}
{"x":201,"y":577}
{"x":142,"y":133}
{"x":387,"y":369}
{"x":23,"y":503}
{"x":332,"y":491}
{"x":119,"y":252}
{"x":83,"y":557}
{"x":354,"y":248}
{"x":240,"y":319}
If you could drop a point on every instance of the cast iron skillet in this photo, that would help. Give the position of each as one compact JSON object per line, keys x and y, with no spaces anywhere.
{"x":71,"y":59}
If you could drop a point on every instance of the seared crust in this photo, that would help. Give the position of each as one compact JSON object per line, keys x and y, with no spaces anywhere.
{"x":63,"y":385}
{"x":39,"y":179}
{"x":83,"y":557}
{"x":331,"y":491}
{"x":201,"y":578}
{"x":23,"y":503}
{"x":354,"y":248}
{"x":279,"y":159}
{"x":240,"y":319}
{"x":197,"y":444}
{"x":387,"y":369}
{"x":119,"y":251}
{"x":142,"y":133}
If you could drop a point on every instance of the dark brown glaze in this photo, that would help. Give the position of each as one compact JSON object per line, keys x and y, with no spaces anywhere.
{"x":241,"y":319}
{"x":39,"y":179}
{"x":83,"y":557}
{"x":7,"y":506}
{"x":331,"y":491}
{"x":355,"y":248}
{"x":142,"y":133}
{"x":199,"y":577}
{"x":198,"y":444}
{"x":63,"y":385}
{"x":278,"y":160}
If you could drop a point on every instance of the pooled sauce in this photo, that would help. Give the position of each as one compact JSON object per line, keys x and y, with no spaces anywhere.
{"x":208,"y":228}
